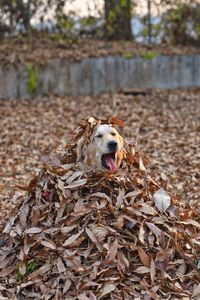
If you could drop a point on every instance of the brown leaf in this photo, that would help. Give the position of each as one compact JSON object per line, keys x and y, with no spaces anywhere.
{"x":74,"y":175}
{"x":107,"y":288}
{"x":141,"y":234}
{"x":2,"y":187}
{"x":122,"y":261}
{"x":87,"y":296}
{"x":23,"y":213}
{"x":42,"y":270}
{"x":72,"y":239}
{"x":142,"y":270}
{"x":117,"y":121}
{"x":120,"y":198}
{"x":22,"y":268}
{"x":144,"y":257}
{"x":196,"y":292}
{"x":51,"y":160}
{"x":6,"y":261}
{"x":100,"y":232}
{"x":157,"y":231}
{"x":102,"y":195}
{"x":67,"y":229}
{"x":61,"y":209}
{"x":141,"y":165}
{"x":190,"y":222}
{"x":147,"y":209}
{"x":33,"y":230}
{"x":94,"y":239}
{"x":112,"y":252}
{"x":67,"y":285}
{"x":152,"y":271}
{"x":6,"y":271}
{"x":76,"y":184}
{"x":29,"y":187}
{"x":49,"y":244}
{"x":60,"y":265}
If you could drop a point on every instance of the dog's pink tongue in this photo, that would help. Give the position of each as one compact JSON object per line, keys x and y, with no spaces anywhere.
{"x":110,"y":163}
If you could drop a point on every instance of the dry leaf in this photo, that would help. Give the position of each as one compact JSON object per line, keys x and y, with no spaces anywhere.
{"x":196,"y":292}
{"x":142,"y":270}
{"x":107,"y":288}
{"x":157,"y":231}
{"x":112,"y":252}
{"x":60,"y":265}
{"x":76,"y":184}
{"x":147,"y":209}
{"x":141,"y":165}
{"x":144,"y":257}
{"x":48,"y":244}
{"x":100,"y":232}
{"x":162,"y":200}
{"x":152,"y":271}
{"x":33,"y":230}
{"x":94,"y":239}
{"x":72,"y":239}
{"x":141,"y":233}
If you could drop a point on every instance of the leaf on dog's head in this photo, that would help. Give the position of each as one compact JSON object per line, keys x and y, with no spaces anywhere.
{"x":116,"y":121}
{"x":92,"y":121}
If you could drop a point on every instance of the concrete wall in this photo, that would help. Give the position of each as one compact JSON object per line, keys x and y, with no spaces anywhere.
{"x":99,"y":75}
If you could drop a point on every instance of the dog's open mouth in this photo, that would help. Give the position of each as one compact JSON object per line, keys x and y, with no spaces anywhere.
{"x":108,"y":161}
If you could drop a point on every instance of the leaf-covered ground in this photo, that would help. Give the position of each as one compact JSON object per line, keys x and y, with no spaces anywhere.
{"x":165,"y":126}
{"x":88,"y":235}
{"x":83,"y":235}
{"x":41,"y":48}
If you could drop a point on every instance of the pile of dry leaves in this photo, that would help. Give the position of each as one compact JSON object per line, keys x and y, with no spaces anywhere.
{"x":164,"y":124}
{"x":93,"y":235}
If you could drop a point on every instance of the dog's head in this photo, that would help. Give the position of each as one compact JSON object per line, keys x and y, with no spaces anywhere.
{"x":104,"y":150}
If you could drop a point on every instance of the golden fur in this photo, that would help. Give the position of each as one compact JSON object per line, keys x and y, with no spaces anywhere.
{"x":92,"y":153}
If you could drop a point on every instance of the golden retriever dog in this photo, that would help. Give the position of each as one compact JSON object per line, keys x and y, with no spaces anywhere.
{"x":104,"y":150}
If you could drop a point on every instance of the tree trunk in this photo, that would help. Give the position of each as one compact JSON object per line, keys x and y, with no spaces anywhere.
{"x":118,"y":19}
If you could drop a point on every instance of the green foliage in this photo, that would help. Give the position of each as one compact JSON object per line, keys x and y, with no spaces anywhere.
{"x":182,"y":24}
{"x":156,"y":29}
{"x":31,"y":266}
{"x":88,"y":21}
{"x":91,"y":27}
{"x":110,"y":21}
{"x":128,"y":55}
{"x":19,"y":276}
{"x":149,"y":54}
{"x":66,"y":33}
{"x":118,"y":16}
{"x":197,"y":29}
{"x":123,"y":3}
{"x":32,"y":79}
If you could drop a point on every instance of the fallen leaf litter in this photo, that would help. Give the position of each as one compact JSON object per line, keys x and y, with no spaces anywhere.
{"x":93,"y":235}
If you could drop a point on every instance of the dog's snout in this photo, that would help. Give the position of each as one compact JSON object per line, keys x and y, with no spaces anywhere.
{"x":112,"y":145}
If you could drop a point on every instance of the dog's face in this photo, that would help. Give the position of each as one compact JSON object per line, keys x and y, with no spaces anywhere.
{"x":104,"y":151}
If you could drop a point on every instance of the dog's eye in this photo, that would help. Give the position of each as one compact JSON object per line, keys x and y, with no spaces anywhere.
{"x":99,"y":136}
{"x":113,"y":133}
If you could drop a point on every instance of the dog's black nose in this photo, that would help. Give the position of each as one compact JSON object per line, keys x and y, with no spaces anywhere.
{"x":112,"y":145}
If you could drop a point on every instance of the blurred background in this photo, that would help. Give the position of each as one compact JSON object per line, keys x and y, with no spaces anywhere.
{"x":165,"y":124}
{"x":145,"y":21}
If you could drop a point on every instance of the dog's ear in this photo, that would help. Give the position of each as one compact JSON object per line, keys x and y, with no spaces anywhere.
{"x":121,"y":141}
{"x":80,"y":150}
{"x":121,"y":153}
